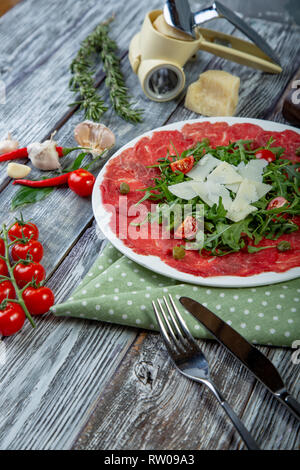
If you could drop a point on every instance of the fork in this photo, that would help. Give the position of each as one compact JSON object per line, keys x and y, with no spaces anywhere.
{"x":190,"y":360}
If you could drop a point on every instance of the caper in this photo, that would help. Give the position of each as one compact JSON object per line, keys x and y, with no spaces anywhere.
{"x":124,"y":188}
{"x":206,"y":141}
{"x":284,"y":246}
{"x":178,"y":252}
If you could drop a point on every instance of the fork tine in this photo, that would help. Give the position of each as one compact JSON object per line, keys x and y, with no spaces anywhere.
{"x":165,"y":317}
{"x":161,"y":325}
{"x":175,"y":347}
{"x":175,"y":324}
{"x":182,"y":323}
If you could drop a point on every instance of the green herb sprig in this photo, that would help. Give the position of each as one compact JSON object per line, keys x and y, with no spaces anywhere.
{"x":83,"y":69}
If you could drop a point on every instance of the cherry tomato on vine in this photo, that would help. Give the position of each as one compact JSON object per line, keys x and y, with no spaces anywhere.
{"x":29,"y":230}
{"x":188,"y":228}
{"x":184,"y":165}
{"x":28,"y":272}
{"x":12,"y":318}
{"x":7,"y":291}
{"x":266,"y":154}
{"x":3,"y":268}
{"x":2,"y":247}
{"x":32,"y":247}
{"x":277,"y":202}
{"x":38,"y":300}
{"x":81,"y":182}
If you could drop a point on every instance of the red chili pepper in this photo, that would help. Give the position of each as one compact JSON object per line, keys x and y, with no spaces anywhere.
{"x":16,"y":154}
{"x":23,"y":153}
{"x":57,"y":181}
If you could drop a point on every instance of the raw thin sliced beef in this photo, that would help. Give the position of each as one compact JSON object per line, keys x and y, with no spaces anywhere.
{"x":148,"y":239}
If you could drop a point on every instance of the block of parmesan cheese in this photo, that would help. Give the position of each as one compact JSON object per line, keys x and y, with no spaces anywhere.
{"x":216,"y":93}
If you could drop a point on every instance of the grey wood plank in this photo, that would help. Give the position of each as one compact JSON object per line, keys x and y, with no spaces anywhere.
{"x":54,"y":374}
{"x":268,"y":419}
{"x":148,"y":405}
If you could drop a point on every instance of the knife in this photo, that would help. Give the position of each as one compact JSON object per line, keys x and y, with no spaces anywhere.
{"x":249,"y":355}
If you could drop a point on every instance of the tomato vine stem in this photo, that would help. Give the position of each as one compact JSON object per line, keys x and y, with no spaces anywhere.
{"x":19,"y":292}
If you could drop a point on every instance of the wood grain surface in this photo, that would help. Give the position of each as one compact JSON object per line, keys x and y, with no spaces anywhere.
{"x":87,"y":385}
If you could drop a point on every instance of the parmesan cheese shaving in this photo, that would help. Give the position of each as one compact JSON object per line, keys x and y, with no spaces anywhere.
{"x":225,"y":174}
{"x":203,"y":168}
{"x":211,"y":193}
{"x":183,"y":190}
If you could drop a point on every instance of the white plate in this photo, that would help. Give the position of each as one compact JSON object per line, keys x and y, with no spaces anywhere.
{"x":156,"y":264}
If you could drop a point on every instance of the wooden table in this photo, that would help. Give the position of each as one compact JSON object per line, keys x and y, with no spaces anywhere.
{"x":87,"y":385}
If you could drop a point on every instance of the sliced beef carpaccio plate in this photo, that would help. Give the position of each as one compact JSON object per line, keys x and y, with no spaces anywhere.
{"x":131,"y":167}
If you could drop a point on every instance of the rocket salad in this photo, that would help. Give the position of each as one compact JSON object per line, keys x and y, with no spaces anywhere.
{"x":273,"y":215}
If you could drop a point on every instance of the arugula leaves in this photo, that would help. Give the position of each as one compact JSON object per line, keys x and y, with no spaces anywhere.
{"x":222,"y":236}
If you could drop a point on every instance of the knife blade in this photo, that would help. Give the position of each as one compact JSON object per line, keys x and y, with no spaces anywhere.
{"x":245,"y":352}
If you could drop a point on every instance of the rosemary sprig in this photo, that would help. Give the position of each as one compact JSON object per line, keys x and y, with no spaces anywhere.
{"x":115,"y":81}
{"x":83,"y":71}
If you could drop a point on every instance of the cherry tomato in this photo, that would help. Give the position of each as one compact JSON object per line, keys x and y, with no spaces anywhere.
{"x":81,"y":182}
{"x":3,"y":268}
{"x":184,"y":165}
{"x":277,"y":202}
{"x":25,"y":273}
{"x":29,"y":230}
{"x":32,"y":247}
{"x":12,"y":318}
{"x":2,"y":247}
{"x":188,"y":228}
{"x":38,"y":300}
{"x":7,"y":291}
{"x":266,"y":155}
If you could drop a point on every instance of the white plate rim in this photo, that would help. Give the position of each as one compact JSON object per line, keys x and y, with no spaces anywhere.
{"x":154,"y":263}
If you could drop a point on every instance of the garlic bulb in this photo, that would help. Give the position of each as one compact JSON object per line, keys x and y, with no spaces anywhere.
{"x":8,"y":145}
{"x":95,"y":136}
{"x":44,"y":156}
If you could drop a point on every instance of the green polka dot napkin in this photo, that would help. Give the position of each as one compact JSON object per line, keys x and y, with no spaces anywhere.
{"x":119,"y":291}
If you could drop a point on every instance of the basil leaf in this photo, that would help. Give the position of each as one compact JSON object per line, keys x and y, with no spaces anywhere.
{"x":77,"y":162}
{"x":26,"y":195}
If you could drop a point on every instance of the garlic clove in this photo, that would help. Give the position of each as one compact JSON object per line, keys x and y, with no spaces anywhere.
{"x":8,"y":145}
{"x":16,"y":170}
{"x":95,"y":136}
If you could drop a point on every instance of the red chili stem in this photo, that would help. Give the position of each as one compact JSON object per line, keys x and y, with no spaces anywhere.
{"x":57,"y":181}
